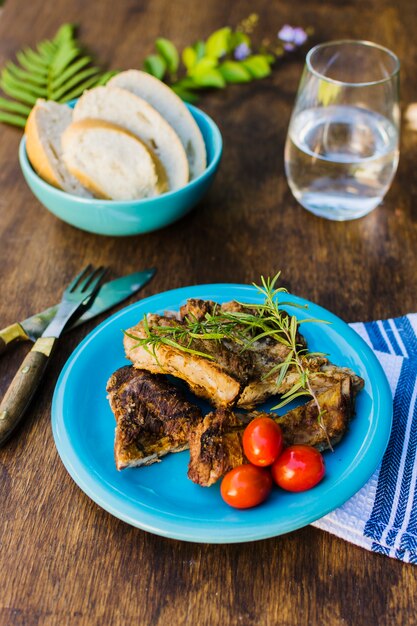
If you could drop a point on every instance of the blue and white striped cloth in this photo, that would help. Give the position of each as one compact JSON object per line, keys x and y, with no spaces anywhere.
{"x":382,"y":516}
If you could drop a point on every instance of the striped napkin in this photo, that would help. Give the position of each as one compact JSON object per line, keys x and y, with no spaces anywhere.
{"x":382,"y":516}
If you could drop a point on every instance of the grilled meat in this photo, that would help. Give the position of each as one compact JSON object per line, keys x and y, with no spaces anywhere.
{"x":231,"y":377}
{"x":152,"y":417}
{"x":216,"y":444}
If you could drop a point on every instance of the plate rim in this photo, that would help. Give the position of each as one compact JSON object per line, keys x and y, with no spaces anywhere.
{"x":166,"y":526}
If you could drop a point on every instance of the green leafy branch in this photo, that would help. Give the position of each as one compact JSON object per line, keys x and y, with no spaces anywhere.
{"x":228,"y":56}
{"x":57,"y":69}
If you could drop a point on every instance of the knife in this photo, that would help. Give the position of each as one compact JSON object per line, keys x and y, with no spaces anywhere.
{"x":110,"y":294}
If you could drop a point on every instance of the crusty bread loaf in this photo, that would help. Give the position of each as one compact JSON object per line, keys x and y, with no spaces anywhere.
{"x":44,"y":127}
{"x":111,"y":162}
{"x":172,"y":108}
{"x":132,"y":113}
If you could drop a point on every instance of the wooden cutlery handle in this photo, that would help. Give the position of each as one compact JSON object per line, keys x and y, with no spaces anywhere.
{"x":23,"y":386}
{"x":9,"y":335}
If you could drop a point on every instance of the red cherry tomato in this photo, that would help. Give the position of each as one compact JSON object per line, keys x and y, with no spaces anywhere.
{"x":262,"y":441}
{"x":298,"y":468}
{"x":246,"y":486}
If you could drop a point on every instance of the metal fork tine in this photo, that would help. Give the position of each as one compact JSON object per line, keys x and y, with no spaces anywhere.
{"x":82,"y":285}
{"x":95,"y":279}
{"x":79,"y":276}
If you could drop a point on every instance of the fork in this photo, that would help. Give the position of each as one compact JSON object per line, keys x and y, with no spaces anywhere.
{"x":77,"y":298}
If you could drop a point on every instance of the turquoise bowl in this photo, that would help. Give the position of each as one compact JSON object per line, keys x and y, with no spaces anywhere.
{"x":129,"y":217}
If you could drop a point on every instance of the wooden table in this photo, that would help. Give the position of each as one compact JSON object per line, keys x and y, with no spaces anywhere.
{"x":63,"y":560}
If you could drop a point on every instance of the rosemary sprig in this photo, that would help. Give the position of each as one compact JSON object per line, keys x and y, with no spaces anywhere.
{"x":242,"y":330}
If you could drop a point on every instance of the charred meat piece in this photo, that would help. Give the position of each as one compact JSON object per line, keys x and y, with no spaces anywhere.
{"x":152,"y":417}
{"x":216,"y":444}
{"x":219,"y":380}
{"x":231,"y":376}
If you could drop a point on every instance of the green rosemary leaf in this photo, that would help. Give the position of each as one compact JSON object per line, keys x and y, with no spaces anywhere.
{"x":155,"y":65}
{"x":290,"y":399}
{"x":169,"y":53}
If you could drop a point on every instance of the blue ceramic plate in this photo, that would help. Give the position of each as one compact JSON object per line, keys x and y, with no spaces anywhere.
{"x":160,"y":498}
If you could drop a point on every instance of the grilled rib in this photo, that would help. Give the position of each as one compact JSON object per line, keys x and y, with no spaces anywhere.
{"x":216,"y":444}
{"x":152,"y":415}
{"x":231,"y":377}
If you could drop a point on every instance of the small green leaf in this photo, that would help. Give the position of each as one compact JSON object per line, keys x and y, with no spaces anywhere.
{"x":189,"y":57}
{"x":204,"y":65}
{"x":200,"y":49}
{"x":155,"y":64}
{"x":218,"y":43}
{"x":185,"y":94}
{"x":169,"y":53}
{"x":257,"y":65}
{"x":210,"y":78}
{"x":237,"y":38}
{"x":234,"y":72}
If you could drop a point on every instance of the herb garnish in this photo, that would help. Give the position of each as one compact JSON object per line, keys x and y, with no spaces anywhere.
{"x":256,"y":322}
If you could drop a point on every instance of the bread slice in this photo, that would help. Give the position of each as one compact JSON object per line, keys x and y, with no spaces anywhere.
{"x":132,"y":113}
{"x":172,"y":108}
{"x":44,"y":127}
{"x":111,"y":162}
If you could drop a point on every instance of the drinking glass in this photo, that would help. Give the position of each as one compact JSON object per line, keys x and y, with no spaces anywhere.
{"x":342,"y":152}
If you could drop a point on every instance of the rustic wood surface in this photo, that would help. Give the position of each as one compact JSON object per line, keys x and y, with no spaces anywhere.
{"x":63,"y":560}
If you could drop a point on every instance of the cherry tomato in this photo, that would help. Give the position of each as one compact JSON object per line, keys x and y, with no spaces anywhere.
{"x":246,"y":486}
{"x":298,"y":468}
{"x":262,"y":441}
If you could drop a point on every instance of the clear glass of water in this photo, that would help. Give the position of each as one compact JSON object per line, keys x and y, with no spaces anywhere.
{"x":342,"y":149}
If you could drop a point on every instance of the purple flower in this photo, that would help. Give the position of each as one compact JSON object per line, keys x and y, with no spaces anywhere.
{"x":289,"y":47}
{"x":286,"y":33}
{"x":299,"y":36}
{"x":292,"y":37}
{"x":241,"y":52}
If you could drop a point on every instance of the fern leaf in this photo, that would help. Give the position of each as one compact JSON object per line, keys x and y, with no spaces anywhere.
{"x":24,"y":75}
{"x":70,"y":72}
{"x":76,"y":80}
{"x":7,"y":80}
{"x":79,"y":90}
{"x":14,"y":120}
{"x":29,"y":66}
{"x":13,"y":107}
{"x":56,"y":69}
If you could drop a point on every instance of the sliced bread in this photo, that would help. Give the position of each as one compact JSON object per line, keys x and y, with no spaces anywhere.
{"x":111,"y":162}
{"x":120,"y":107}
{"x":172,"y":108}
{"x":44,"y":127}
